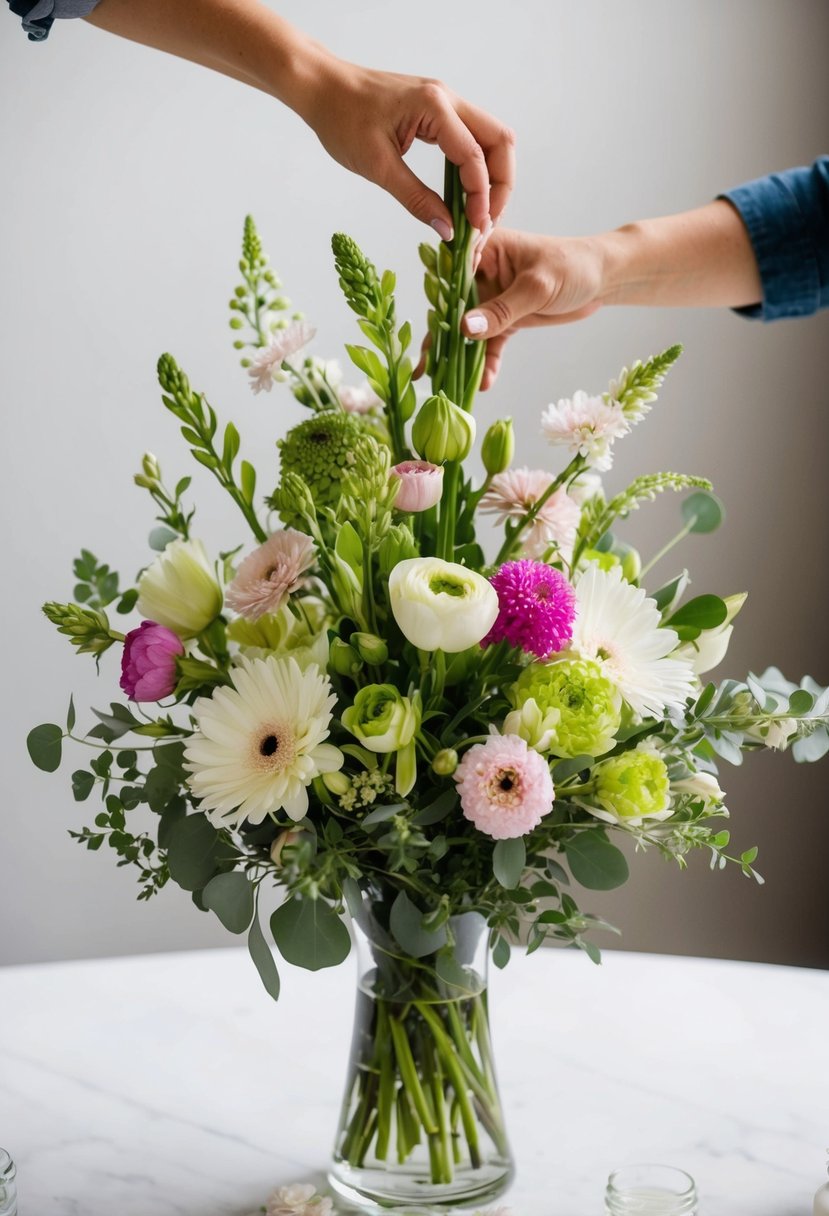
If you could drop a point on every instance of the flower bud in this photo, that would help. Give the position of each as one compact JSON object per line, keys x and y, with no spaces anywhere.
{"x":381,"y":719}
{"x":180,"y":590}
{"x":445,"y":762}
{"x":344,"y":658}
{"x":278,"y":845}
{"x":498,"y":447}
{"x":442,"y":430}
{"x":148,"y":662}
{"x":336,"y":783}
{"x":398,"y":545}
{"x":150,"y":467}
{"x":370,"y":648}
{"x":421,"y":485}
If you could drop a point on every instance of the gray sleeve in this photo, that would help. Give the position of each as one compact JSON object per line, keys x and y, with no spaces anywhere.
{"x":40,"y":16}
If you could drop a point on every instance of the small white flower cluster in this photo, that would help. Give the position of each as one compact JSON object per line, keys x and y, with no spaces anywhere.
{"x":365,"y":789}
{"x":298,"y":1199}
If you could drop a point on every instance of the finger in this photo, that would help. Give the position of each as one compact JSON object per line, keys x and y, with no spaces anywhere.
{"x":492,"y":360}
{"x":522,"y":298}
{"x":404,"y":185}
{"x":498,"y":144}
{"x":424,"y":354}
{"x":459,"y":145}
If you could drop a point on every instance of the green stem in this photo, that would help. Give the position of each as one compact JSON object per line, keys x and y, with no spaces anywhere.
{"x":573,"y":469}
{"x":681,"y":534}
{"x":408,"y":1074}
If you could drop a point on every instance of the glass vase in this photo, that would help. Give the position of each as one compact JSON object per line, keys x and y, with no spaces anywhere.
{"x":421,"y":1123}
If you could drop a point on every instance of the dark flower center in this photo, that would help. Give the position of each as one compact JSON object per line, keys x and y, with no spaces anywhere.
{"x":506,"y":783}
{"x":268,"y":745}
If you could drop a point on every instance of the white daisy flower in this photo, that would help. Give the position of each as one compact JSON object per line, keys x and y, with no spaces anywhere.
{"x":587,"y":426}
{"x":260,"y":743}
{"x":265,"y":366}
{"x":618,"y":626}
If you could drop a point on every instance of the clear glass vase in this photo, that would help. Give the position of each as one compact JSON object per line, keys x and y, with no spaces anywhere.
{"x":421,"y":1123}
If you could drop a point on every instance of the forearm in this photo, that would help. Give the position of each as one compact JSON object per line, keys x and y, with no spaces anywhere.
{"x":701,"y":258}
{"x":243,"y":39}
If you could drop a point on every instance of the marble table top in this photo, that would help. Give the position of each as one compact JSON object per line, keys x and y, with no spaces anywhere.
{"x":171,"y":1085}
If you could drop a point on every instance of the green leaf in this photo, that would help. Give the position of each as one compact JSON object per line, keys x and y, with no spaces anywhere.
{"x":706,"y":697}
{"x":811,"y":747}
{"x":247,"y":477}
{"x":595,"y":862}
{"x":193,"y":852}
{"x":230,"y":449}
{"x":382,"y":813}
{"x":668,"y":595}
{"x":437,"y":810}
{"x":501,"y":953}
{"x":702,"y":612}
{"x":310,"y":934}
{"x":70,"y":716}
{"x":83,"y":782}
{"x":406,"y":923}
{"x":44,"y":744}
{"x":262,"y":956}
{"x":703,"y":511}
{"x":230,"y":896}
{"x":508,"y":860}
{"x":800,"y":702}
{"x":160,"y":538}
{"x":114,"y":724}
{"x":127,"y":601}
{"x":349,"y":547}
{"x":569,"y":767}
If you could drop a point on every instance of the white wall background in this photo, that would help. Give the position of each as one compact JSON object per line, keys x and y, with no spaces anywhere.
{"x":126,"y":176}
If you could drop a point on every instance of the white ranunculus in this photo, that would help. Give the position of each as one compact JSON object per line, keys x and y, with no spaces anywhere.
{"x":441,"y":605}
{"x":180,"y":590}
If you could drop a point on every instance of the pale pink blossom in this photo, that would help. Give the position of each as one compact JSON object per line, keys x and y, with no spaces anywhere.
{"x":505,"y":788}
{"x":298,"y":1199}
{"x":511,"y":495}
{"x":359,"y":399}
{"x":587,"y":426}
{"x":265,"y":366}
{"x":270,"y":574}
{"x":421,"y":485}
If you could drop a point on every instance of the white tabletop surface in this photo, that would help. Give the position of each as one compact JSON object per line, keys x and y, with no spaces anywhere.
{"x":171,"y":1085}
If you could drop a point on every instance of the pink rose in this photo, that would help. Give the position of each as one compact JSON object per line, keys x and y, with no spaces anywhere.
{"x":421,"y":485}
{"x":148,"y":664}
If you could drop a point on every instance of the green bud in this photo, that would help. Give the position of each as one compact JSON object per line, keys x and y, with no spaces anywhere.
{"x":631,"y":564}
{"x":428,"y":256}
{"x":445,"y":762}
{"x":236,"y":322}
{"x":239,"y":292}
{"x":344,"y":658}
{"x":370,"y":648}
{"x":396,"y":546}
{"x":498,"y":447}
{"x":86,"y":629}
{"x":442,"y":430}
{"x":381,"y":719}
{"x":150,"y":466}
{"x":336,"y":783}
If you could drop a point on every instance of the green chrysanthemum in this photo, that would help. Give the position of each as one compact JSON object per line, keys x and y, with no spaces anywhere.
{"x":632,"y":787}
{"x":588,"y":705}
{"x":319,"y":449}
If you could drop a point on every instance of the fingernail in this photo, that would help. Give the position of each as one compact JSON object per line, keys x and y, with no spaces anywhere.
{"x":475,"y":323}
{"x":444,"y":230}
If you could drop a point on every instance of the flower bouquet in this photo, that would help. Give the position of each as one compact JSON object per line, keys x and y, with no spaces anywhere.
{"x":362,"y":708}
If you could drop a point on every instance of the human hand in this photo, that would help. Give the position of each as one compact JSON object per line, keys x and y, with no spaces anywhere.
{"x":525,"y":280}
{"x":367,"y":120}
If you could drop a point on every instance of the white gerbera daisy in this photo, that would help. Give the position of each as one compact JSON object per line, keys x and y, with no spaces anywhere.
{"x":617,"y":625}
{"x":260,"y":743}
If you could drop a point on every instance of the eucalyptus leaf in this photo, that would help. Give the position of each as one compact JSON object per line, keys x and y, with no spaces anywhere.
{"x":406,"y":923}
{"x":508,"y":860}
{"x":310,"y":934}
{"x":703,"y":511}
{"x":262,"y":956}
{"x":45,"y":744}
{"x":595,"y":862}
{"x":160,"y":538}
{"x":230,"y":896}
{"x":800,"y":702}
{"x":193,"y":852}
{"x":83,"y":782}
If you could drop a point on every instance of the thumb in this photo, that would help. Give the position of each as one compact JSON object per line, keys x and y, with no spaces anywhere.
{"x":417,"y":198}
{"x":505,"y":311}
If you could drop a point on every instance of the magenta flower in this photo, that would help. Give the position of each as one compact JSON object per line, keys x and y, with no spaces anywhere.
{"x":505,"y":787}
{"x":537,"y":607}
{"x":148,"y":664}
{"x":421,"y":485}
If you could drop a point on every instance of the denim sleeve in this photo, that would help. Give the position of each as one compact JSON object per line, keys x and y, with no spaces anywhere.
{"x":38,"y":15}
{"x":787,"y":217}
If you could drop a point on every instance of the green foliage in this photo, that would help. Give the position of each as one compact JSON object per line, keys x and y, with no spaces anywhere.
{"x":262,"y":957}
{"x":231,"y":897}
{"x":309,"y":933}
{"x":703,"y":512}
{"x":600,"y":516}
{"x":406,"y":923}
{"x":196,"y":851}
{"x":509,"y":858}
{"x":44,"y":745}
{"x":174,"y":519}
{"x":257,"y":300}
{"x":87,"y":628}
{"x":595,"y":862}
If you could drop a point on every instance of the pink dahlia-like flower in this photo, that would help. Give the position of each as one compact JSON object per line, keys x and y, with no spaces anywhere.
{"x":587,"y":426}
{"x":267,"y":576}
{"x":421,"y":485}
{"x":148,"y":663}
{"x":505,"y":787}
{"x":537,"y":608}
{"x":513,"y":493}
{"x":358,"y":399}
{"x":265,"y":365}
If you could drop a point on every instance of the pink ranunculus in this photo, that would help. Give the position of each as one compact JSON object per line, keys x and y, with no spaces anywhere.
{"x":505,"y":788}
{"x":421,"y":485}
{"x":148,"y":664}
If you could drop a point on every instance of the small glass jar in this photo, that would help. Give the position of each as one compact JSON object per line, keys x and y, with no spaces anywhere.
{"x":8,"y":1186}
{"x":650,"y":1190}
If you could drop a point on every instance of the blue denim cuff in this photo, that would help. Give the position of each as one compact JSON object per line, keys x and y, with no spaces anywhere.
{"x":37,"y":17}
{"x":781,"y":239}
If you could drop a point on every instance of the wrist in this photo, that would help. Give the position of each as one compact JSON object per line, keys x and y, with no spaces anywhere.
{"x":619,"y":255}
